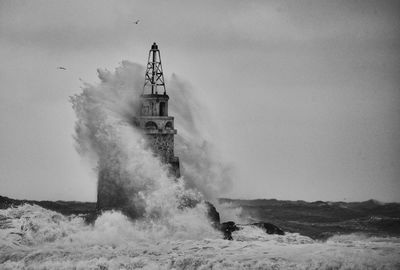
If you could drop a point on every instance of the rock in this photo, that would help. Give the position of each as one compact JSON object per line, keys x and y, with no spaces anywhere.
{"x":269,"y":228}
{"x":227,"y":228}
{"x":213,"y":215}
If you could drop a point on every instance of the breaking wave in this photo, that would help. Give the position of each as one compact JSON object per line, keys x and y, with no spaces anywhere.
{"x":35,"y":238}
{"x":106,"y":136}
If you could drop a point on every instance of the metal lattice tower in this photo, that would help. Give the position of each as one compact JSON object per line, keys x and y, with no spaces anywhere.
{"x":154,"y":74}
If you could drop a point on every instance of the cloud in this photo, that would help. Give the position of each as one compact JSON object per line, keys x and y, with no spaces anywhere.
{"x":63,"y":25}
{"x":88,"y":25}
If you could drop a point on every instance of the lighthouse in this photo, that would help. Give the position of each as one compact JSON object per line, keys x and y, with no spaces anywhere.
{"x":157,"y":126}
{"x":153,"y":118}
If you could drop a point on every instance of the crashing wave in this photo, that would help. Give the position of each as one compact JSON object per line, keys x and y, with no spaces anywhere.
{"x":35,"y":238}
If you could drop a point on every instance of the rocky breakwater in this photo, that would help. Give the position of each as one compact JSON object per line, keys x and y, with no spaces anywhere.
{"x":227,"y":228}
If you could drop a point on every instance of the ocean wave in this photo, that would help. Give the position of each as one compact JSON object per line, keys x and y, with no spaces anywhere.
{"x":35,"y":238}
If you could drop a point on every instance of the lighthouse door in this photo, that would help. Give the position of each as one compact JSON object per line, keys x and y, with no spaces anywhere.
{"x":162,"y":109}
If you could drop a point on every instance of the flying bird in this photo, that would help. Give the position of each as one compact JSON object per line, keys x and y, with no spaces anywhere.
{"x":63,"y":68}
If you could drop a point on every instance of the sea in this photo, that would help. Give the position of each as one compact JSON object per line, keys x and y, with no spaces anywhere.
{"x":33,"y":237}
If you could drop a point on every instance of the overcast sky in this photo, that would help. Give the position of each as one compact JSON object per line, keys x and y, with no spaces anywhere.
{"x":303,"y":96}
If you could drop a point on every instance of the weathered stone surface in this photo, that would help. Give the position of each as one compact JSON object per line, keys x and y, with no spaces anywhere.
{"x":227,"y":228}
{"x":212,"y":212}
{"x":162,"y":145}
{"x":269,"y":228}
{"x":154,"y":105}
{"x":213,"y":215}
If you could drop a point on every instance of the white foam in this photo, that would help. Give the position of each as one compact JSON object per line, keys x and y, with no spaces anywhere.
{"x":39,"y":238}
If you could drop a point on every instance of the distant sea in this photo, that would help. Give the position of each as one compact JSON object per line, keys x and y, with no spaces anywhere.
{"x":321,"y":220}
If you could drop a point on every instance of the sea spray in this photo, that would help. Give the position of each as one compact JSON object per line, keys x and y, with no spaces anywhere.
{"x":132,"y":176}
{"x":202,"y":165}
{"x":35,"y":238}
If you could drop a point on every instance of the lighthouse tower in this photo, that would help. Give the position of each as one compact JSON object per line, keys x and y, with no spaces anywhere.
{"x":153,"y":118}
{"x":158,"y":127}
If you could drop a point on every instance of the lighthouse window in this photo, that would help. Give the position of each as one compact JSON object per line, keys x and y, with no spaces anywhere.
{"x":151,"y":125}
{"x":162,"y":109}
{"x":168,"y":125}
